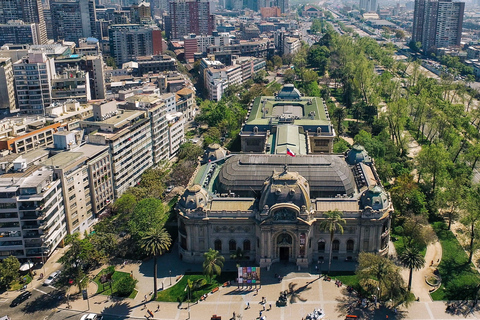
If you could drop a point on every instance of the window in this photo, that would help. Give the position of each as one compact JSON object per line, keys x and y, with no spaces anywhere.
{"x":218,"y":245}
{"x":321,"y":245}
{"x":232,"y":245}
{"x":321,"y":143}
{"x":246,"y":245}
{"x":350,"y":245}
{"x":335,"y":245}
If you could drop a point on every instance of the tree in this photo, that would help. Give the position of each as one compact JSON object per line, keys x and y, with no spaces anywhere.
{"x":213,"y":263}
{"x":471,"y":219}
{"x":189,"y":151}
{"x":80,"y":257}
{"x":182,"y":172}
{"x":277,"y":61}
{"x":148,"y":213}
{"x":125,"y":286}
{"x":9,"y":268}
{"x":105,"y":244}
{"x":379,"y":276}
{"x":333,"y":222}
{"x":155,"y":243}
{"x":433,"y":161}
{"x":413,"y":260}
{"x":399,"y":34}
{"x":339,"y":114}
{"x":289,"y":76}
{"x":194,"y":285}
{"x":125,"y":204}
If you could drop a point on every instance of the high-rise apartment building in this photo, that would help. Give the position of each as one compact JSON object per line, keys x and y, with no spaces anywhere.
{"x":32,"y":218}
{"x":368,"y":5}
{"x":129,"y":41}
{"x":29,"y":11}
{"x":33,"y":75}
{"x":437,"y":24}
{"x":7,"y":88}
{"x":72,"y":20}
{"x":188,"y":17}
{"x":128,"y":135}
{"x":19,"y":32}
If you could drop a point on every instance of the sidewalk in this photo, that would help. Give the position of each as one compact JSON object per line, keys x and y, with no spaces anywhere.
{"x":51,"y":265}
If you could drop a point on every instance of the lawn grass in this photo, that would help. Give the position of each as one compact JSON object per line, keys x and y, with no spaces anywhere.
{"x":106,"y":288}
{"x":178,"y":293}
{"x":18,"y":284}
{"x":349,"y":280}
{"x":457,"y":274}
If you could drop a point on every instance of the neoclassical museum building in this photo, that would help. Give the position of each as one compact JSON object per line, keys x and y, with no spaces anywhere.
{"x":270,"y":204}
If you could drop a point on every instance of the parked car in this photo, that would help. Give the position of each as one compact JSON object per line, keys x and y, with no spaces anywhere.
{"x":24,"y":296}
{"x":51,"y":278}
{"x":91,"y":316}
{"x":169,"y":189}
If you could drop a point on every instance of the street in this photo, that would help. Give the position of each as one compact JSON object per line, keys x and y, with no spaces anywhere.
{"x":41,"y":304}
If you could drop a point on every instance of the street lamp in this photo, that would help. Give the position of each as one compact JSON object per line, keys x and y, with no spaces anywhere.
{"x":170,"y":272}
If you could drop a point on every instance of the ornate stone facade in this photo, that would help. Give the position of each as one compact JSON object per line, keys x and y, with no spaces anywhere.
{"x":270,"y":206}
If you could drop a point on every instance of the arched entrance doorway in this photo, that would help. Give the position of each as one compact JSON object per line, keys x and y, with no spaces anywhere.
{"x":284,"y":245}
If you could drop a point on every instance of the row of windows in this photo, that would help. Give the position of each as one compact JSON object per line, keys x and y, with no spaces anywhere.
{"x":232,"y":245}
{"x":336,"y":246}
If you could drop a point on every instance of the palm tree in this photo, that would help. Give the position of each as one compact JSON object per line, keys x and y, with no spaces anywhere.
{"x":332,"y":223}
{"x":213,"y":263}
{"x":194,"y":285}
{"x":155,"y":243}
{"x":411,"y":259}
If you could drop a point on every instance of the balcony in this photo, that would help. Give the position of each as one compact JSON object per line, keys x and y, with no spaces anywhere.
{"x":31,"y":234}
{"x":30,"y":226}
{"x":33,"y":216}
{"x":33,"y":244}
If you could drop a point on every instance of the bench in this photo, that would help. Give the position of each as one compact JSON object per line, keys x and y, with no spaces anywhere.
{"x":351,"y":316}
{"x":178,"y":278}
{"x":215,"y":289}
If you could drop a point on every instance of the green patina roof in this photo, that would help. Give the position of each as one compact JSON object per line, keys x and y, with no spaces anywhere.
{"x":271,"y":111}
{"x":288,"y":136}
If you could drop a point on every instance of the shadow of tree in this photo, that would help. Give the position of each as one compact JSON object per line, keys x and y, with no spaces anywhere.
{"x":120,"y":308}
{"x":294,"y":294}
{"x":45,"y":302}
{"x":349,"y":304}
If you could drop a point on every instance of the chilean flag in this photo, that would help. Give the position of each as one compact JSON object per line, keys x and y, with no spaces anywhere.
{"x":290,"y":153}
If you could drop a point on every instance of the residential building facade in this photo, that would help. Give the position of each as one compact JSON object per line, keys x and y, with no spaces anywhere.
{"x":32,"y":216}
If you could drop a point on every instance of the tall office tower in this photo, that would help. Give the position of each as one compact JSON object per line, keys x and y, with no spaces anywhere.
{"x":368,"y":5}
{"x":29,"y":11}
{"x":7,"y":90}
{"x":73,"y":19}
{"x":33,"y":75}
{"x":129,"y":41}
{"x":187,"y":17}
{"x":437,"y":24}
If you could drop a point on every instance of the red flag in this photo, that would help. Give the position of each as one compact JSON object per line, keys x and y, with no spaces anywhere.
{"x":290,"y":153}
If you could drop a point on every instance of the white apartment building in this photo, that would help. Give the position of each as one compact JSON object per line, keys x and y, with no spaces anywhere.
{"x":170,"y":102}
{"x":32,"y":216}
{"x":217,"y":80}
{"x":157,"y":111}
{"x":176,"y":131}
{"x":86,"y":177}
{"x":129,"y":137}
{"x":33,"y":75}
{"x":291,"y":45}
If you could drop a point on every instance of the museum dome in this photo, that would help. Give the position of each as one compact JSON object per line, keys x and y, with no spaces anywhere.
{"x":194,"y":197}
{"x":375,"y":197}
{"x":285,"y":187}
{"x":357,"y":154}
{"x":214,"y":152}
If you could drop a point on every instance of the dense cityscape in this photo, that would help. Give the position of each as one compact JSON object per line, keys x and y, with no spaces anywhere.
{"x":239,"y":159}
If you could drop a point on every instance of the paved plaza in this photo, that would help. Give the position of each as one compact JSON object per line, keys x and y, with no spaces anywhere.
{"x":310,"y":293}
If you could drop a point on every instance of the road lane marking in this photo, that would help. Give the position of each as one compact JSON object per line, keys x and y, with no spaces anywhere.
{"x":40,"y":291}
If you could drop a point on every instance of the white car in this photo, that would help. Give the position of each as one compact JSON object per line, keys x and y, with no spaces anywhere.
{"x":91,"y":316}
{"x":51,"y":278}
